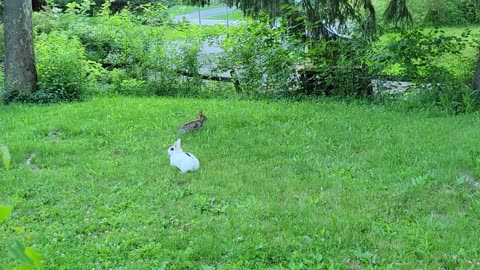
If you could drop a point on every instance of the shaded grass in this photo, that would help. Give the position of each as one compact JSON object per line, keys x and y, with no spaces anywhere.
{"x":281,"y":185}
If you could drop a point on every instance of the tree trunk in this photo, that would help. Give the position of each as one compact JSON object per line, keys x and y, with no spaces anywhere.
{"x":476,"y":76}
{"x":20,"y":72}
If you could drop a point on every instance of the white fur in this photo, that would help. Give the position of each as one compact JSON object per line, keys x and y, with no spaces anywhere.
{"x":185,"y":161}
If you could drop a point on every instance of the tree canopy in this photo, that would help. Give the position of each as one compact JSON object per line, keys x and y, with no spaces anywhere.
{"x":321,"y":15}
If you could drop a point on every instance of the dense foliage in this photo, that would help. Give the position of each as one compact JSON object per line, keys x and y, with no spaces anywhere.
{"x":271,"y":62}
{"x":116,"y":5}
{"x":141,"y":51}
{"x":451,"y":12}
{"x":440,"y":12}
{"x":125,"y":53}
{"x":427,"y":12}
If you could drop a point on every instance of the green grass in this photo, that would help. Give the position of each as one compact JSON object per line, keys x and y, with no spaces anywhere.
{"x":183,"y":9}
{"x":281,"y":185}
{"x":235,"y":15}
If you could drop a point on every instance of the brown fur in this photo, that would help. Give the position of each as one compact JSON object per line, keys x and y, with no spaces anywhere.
{"x":193,"y":125}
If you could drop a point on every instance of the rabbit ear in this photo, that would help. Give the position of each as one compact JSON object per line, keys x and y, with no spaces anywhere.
{"x":177,"y":143}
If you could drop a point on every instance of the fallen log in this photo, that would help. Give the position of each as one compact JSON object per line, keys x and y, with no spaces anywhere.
{"x":232,"y":78}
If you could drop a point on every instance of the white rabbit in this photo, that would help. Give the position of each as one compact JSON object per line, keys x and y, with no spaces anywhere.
{"x":185,"y":161}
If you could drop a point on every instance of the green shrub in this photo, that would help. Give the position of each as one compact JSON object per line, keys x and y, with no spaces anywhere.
{"x":447,"y":12}
{"x":415,"y":55}
{"x":64,"y":74}
{"x":471,"y":10}
{"x":340,"y":67}
{"x":152,"y":14}
{"x":47,"y":20}
{"x":439,"y":12}
{"x":447,"y":98}
{"x":149,"y":57}
{"x":444,"y":12}
{"x":271,"y":63}
{"x":418,"y":56}
{"x":263,"y":58}
{"x":124,"y":85}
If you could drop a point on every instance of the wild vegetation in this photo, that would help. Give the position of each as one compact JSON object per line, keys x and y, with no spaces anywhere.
{"x":288,"y":178}
{"x":440,"y":12}
{"x":140,"y":51}
{"x":122,"y":53}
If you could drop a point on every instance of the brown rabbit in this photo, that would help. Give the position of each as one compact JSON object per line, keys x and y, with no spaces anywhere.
{"x":193,"y":125}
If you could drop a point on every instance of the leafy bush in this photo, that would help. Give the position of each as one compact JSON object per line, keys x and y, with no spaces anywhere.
{"x":124,"y":85}
{"x":471,"y":10}
{"x":414,"y":55}
{"x":263,"y":58}
{"x":139,"y":59}
{"x":447,"y":98}
{"x":443,"y":12}
{"x":152,"y":14}
{"x":64,"y":74}
{"x":439,"y":12}
{"x":340,"y":65}
{"x":452,"y":98}
{"x":271,"y":62}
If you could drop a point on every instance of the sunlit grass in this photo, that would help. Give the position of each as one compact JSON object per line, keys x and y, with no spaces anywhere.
{"x":281,"y":185}
{"x":183,"y":9}
{"x":235,"y":15}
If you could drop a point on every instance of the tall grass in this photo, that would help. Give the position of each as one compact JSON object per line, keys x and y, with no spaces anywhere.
{"x":281,"y":185}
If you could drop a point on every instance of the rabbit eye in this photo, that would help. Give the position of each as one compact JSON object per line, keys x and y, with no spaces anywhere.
{"x":171,"y":149}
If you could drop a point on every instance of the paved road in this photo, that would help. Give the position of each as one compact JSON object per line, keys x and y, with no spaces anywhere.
{"x":210,"y":49}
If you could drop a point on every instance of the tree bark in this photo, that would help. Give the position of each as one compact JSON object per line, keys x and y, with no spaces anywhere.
{"x":20,"y":72}
{"x":476,"y":76}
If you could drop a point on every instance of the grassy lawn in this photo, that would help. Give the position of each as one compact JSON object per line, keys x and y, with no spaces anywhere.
{"x":235,"y":15}
{"x":281,"y":185}
{"x":183,"y":9}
